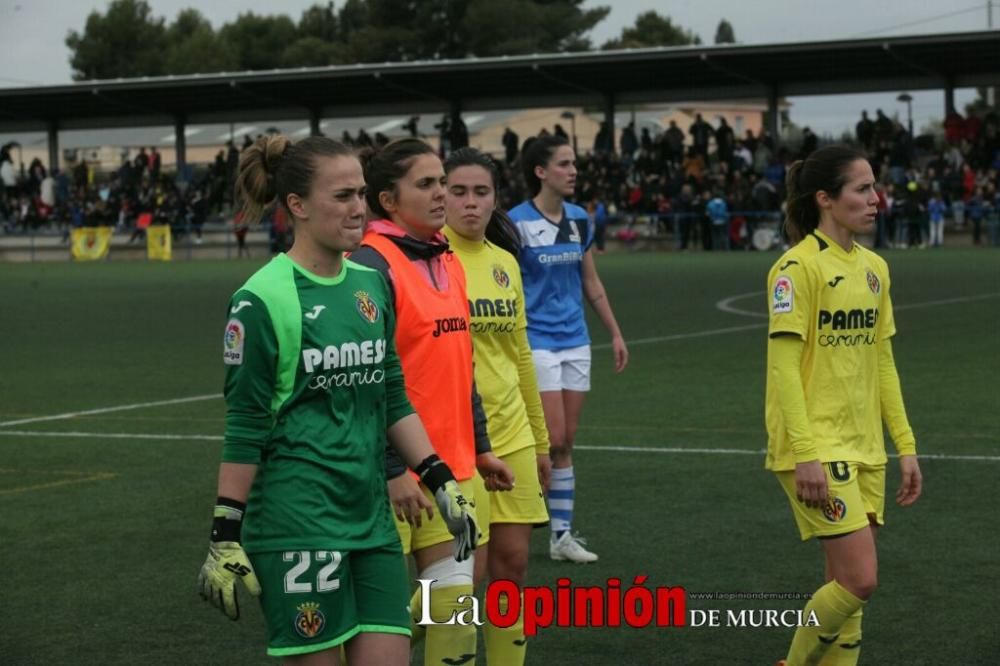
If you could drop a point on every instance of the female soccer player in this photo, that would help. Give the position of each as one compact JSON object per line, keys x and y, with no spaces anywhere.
{"x":831,"y":382}
{"x":486,"y":241}
{"x":558,"y":269}
{"x":404,"y":242}
{"x":312,"y":383}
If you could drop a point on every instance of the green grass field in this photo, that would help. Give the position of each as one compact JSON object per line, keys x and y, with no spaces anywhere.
{"x":104,"y":517}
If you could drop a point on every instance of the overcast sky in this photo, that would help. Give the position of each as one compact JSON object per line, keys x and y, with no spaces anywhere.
{"x":33,"y":32}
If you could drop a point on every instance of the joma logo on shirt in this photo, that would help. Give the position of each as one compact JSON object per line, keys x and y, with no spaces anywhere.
{"x":842,"y":320}
{"x":347,"y":355}
{"x":449,"y":325}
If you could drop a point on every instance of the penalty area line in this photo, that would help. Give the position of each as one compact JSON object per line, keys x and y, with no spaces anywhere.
{"x":617,"y":449}
{"x":107,"y":410}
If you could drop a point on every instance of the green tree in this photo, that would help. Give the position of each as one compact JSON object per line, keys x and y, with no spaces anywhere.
{"x":724,"y":34}
{"x":257,"y":41}
{"x":652,"y":29}
{"x":517,"y":27}
{"x":321,"y":22}
{"x":194,"y":48}
{"x":127,"y":41}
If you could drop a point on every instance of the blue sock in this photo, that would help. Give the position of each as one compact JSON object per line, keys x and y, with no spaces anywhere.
{"x":561,"y":500}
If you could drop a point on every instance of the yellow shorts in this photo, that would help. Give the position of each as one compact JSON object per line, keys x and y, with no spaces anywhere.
{"x":434,"y":531}
{"x":525,"y":504}
{"x":857,"y":495}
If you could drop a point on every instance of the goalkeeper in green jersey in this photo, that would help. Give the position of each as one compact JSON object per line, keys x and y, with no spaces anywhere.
{"x":313,"y":383}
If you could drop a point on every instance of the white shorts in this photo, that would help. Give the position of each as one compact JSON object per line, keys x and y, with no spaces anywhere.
{"x":563,"y":369}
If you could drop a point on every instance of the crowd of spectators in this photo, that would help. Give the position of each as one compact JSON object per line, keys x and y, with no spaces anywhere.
{"x":704,"y":185}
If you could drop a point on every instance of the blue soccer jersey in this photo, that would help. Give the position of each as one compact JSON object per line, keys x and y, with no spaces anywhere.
{"x":551,"y":261}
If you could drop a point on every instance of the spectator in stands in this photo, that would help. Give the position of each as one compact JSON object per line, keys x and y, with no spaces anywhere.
{"x":142,"y":161}
{"x":724,"y":141}
{"x":718,"y":213}
{"x":510,"y":143}
{"x":809,"y":143}
{"x":935,"y":213}
{"x":155,"y":163}
{"x":976,"y":208}
{"x":629,"y":142}
{"x":683,"y":214}
{"x":865,"y":130}
{"x":700,"y":132}
{"x":674,"y":137}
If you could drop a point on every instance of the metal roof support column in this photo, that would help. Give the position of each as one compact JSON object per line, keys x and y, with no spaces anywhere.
{"x":53,"y":132}
{"x":949,"y":96}
{"x":314,"y":119}
{"x":773,"y":119}
{"x":454,"y":120}
{"x":180,"y":145}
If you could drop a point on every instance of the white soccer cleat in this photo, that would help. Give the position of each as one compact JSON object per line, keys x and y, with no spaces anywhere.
{"x":570,"y":547}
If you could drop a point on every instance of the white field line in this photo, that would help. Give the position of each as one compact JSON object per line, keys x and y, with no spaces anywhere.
{"x":726,"y":304}
{"x":617,"y":449}
{"x":106,"y":410}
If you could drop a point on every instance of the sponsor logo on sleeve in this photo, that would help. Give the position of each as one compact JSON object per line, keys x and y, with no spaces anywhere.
{"x":232,"y":342}
{"x":782,"y":296}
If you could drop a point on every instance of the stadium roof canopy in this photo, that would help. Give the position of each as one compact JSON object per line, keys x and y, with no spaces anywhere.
{"x":601,"y":79}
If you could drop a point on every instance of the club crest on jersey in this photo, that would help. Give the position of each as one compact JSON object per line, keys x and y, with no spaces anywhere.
{"x":367,"y":308}
{"x":500,"y":276}
{"x":232,"y":342}
{"x":835,"y":510}
{"x":310,"y":621}
{"x":873,"y":282}
{"x":782,"y":295}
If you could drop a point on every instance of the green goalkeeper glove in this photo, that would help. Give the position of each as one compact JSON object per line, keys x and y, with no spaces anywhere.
{"x":437,"y":476}
{"x":226,"y":561}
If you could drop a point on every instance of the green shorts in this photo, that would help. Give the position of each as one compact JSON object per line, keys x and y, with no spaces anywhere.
{"x":316,"y":600}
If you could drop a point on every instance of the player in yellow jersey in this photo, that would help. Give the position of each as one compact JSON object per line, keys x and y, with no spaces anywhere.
{"x":485,"y":240}
{"x":831,"y":381}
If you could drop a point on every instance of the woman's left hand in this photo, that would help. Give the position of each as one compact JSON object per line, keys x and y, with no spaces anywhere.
{"x":621,"y":352}
{"x":912,"y":482}
{"x":495,"y":472}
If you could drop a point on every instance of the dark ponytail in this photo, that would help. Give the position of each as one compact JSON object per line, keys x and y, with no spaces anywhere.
{"x":537,"y":152}
{"x":273,"y":167}
{"x":825,"y":170}
{"x":384,"y":167}
{"x":500,"y":230}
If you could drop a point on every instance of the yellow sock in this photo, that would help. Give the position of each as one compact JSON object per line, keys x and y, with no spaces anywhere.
{"x":505,"y":646}
{"x":847,"y":649}
{"x":451,"y":644}
{"x":833,"y":606}
{"x":417,"y":631}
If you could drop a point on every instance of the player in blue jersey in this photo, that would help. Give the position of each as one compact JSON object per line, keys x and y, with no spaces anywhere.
{"x":558,"y":270}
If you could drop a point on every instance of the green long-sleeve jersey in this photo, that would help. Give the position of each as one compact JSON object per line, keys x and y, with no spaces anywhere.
{"x":312,"y":383}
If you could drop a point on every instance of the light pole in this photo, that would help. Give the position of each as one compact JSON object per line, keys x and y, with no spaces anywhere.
{"x":571,"y":117}
{"x":908,"y":98}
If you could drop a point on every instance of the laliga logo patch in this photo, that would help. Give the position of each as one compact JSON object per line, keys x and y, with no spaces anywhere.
{"x":366,"y":307}
{"x":835,"y":510}
{"x":232,"y":342}
{"x":310,"y":621}
{"x":782,"y":295}
{"x":500,"y":276}
{"x":873,"y":282}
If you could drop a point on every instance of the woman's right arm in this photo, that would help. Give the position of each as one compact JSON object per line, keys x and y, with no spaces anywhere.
{"x":784,"y":363}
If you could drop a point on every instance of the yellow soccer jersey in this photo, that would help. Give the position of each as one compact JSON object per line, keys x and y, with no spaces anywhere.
{"x":505,"y":373}
{"x":838,"y":303}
